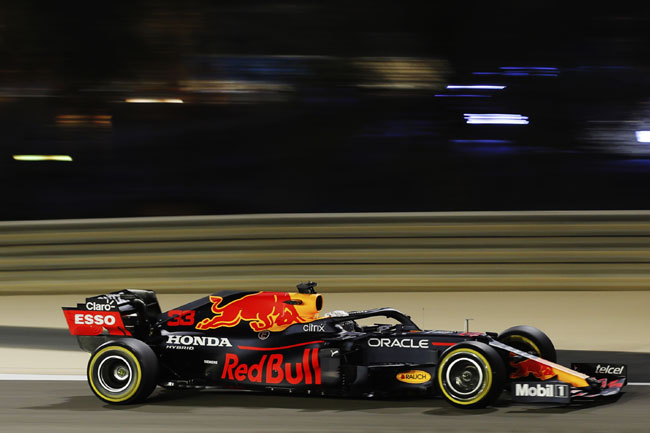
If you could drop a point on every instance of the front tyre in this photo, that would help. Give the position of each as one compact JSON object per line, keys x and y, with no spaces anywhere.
{"x":530,"y":340}
{"x":123,"y":371}
{"x":470,"y":375}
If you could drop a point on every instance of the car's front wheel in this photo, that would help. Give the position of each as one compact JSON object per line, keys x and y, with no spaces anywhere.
{"x":123,"y":371}
{"x":470,"y":375}
{"x":530,"y":340}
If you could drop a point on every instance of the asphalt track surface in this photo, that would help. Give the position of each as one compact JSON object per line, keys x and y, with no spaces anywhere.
{"x":35,"y":406}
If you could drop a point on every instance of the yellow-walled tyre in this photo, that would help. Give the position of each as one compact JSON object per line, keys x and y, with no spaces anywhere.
{"x":123,"y":371}
{"x":470,"y":375}
{"x":530,"y":340}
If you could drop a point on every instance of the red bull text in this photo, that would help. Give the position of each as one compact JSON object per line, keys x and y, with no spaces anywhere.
{"x":272,"y":369}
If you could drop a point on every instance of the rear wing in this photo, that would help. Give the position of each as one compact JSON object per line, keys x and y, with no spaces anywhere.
{"x":124,"y":313}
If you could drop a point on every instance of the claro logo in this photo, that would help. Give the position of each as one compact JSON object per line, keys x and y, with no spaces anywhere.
{"x":404,"y":343}
{"x":97,"y":306}
{"x":414,"y":376}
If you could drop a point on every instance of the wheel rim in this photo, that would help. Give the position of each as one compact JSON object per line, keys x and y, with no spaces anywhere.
{"x":465,"y":376}
{"x":114,"y":373}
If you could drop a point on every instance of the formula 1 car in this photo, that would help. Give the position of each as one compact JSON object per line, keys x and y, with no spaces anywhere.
{"x":279,"y":342}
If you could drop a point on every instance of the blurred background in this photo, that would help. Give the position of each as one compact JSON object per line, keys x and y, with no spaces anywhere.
{"x":483,"y":160}
{"x":200,"y":107}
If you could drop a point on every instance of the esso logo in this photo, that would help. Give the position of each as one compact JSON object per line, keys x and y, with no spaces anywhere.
{"x":94,"y":319}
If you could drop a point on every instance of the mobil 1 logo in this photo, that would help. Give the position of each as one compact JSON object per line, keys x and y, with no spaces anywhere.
{"x":541,"y":392}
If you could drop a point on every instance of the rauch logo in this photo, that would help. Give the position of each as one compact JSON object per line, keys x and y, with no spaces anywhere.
{"x":414,"y":376}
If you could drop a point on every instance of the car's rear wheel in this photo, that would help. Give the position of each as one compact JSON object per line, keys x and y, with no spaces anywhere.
{"x":530,"y":340}
{"x":123,"y":371}
{"x":470,"y":375}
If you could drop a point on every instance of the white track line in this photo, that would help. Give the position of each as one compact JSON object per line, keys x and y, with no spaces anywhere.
{"x":74,"y":377}
{"x":41,"y":377}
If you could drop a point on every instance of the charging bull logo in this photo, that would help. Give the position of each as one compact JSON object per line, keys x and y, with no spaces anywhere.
{"x":531,"y":366}
{"x":265,"y":311}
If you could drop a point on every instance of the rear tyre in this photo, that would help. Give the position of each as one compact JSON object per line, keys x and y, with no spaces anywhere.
{"x":470,"y":375}
{"x":530,"y":340}
{"x":123,"y":371}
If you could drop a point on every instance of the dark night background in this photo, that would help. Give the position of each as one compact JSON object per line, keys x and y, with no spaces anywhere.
{"x":303,"y":106}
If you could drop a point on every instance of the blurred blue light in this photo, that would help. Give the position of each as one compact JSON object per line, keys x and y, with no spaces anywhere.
{"x":495,"y":119}
{"x":527,"y":68}
{"x":480,"y":141}
{"x":439,"y":95}
{"x":486,"y":148}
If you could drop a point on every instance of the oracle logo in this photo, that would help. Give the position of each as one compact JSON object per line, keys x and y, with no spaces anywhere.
{"x":404,"y":343}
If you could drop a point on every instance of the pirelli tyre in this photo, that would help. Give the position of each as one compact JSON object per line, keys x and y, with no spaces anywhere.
{"x":470,"y":375}
{"x":123,"y":371}
{"x":530,"y":340}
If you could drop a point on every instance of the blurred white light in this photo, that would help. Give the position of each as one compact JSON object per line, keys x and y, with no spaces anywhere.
{"x":495,"y":119}
{"x":154,"y":101}
{"x":64,"y":158}
{"x":643,"y":136}
{"x":476,"y":86}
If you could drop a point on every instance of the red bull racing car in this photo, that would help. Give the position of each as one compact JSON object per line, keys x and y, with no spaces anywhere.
{"x":280,"y":342}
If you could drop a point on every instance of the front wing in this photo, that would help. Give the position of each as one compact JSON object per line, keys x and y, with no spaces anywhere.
{"x":556,"y":383}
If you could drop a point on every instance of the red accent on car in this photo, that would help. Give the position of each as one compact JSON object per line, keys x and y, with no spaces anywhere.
{"x":272,"y":369}
{"x":81,"y":322}
{"x":279,"y":348}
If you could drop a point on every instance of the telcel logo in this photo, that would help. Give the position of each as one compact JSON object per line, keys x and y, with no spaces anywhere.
{"x":539,"y":390}
{"x":414,"y":376}
{"x":608,"y":369}
{"x":404,"y":343}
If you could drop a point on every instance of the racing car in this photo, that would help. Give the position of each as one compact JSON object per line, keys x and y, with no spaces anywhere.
{"x":281,"y":342}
